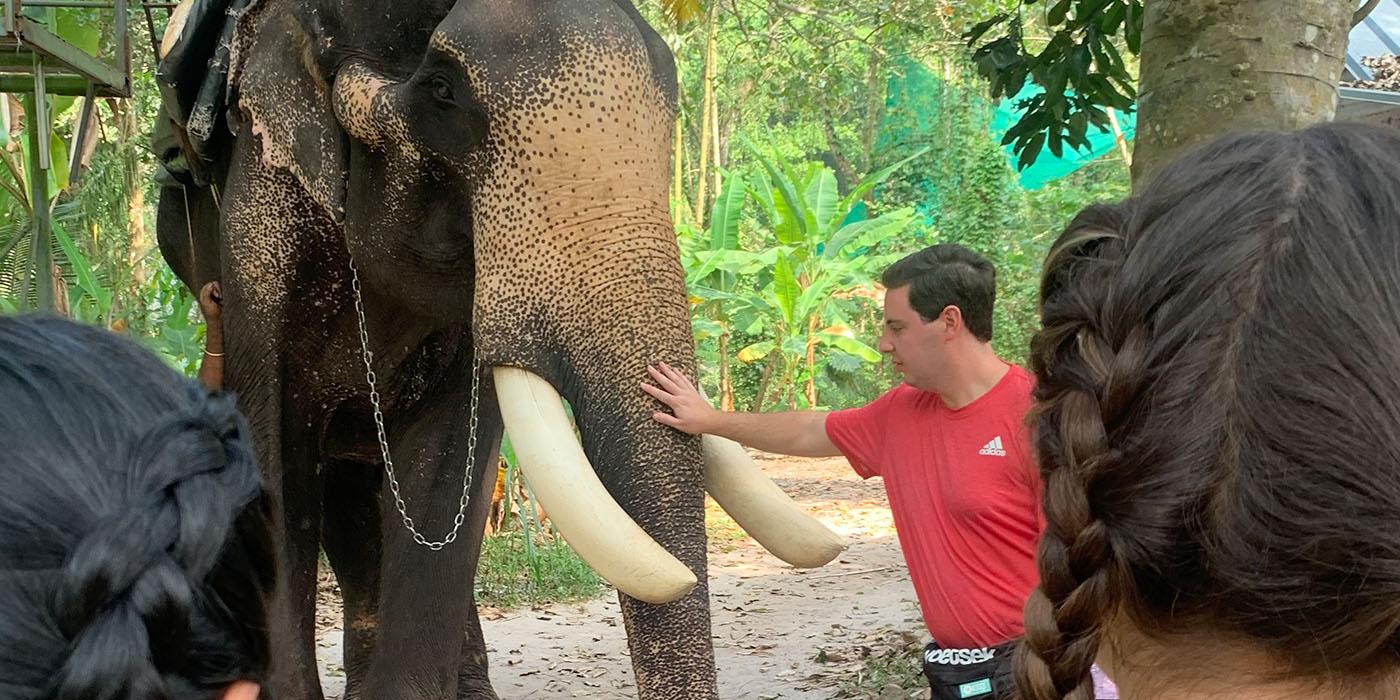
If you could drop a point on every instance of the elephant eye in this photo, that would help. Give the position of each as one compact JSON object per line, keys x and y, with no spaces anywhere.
{"x":441,"y":90}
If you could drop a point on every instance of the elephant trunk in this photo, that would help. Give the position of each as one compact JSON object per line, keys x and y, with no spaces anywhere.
{"x":587,"y":320}
{"x":657,"y":475}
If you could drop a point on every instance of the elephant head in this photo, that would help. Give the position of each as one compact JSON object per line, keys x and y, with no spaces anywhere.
{"x":514,"y":176}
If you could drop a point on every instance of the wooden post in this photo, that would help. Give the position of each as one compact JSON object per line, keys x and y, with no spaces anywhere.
{"x":42,"y":242}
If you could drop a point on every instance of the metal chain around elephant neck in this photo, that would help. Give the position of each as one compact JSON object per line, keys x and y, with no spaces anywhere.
{"x":370,"y":377}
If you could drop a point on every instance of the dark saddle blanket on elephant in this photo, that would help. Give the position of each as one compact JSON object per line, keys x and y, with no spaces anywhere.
{"x":193,"y":79}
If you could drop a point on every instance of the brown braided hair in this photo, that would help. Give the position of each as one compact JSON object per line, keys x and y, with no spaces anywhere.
{"x":1218,"y":412}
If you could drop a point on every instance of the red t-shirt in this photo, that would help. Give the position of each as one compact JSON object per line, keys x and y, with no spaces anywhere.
{"x":965,"y":494}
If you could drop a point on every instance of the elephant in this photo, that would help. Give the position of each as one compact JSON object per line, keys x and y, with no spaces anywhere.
{"x":434,"y":222}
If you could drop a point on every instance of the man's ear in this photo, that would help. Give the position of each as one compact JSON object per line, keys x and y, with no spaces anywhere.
{"x":241,"y":690}
{"x":950,"y":320}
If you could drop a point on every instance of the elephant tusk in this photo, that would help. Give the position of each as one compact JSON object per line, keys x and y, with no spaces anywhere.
{"x":768,"y":514}
{"x":569,"y":490}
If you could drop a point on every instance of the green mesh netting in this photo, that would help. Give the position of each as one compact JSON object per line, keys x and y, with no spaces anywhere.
{"x":925,"y":109}
{"x":1047,"y":167}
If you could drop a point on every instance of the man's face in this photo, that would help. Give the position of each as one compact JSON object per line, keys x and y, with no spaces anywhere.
{"x":916,"y":346}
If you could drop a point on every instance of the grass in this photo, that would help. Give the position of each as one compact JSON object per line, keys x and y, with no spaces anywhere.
{"x":897,"y":665}
{"x":524,"y":567}
{"x":512,"y":575}
{"x":516,"y":572}
{"x":723,"y":533}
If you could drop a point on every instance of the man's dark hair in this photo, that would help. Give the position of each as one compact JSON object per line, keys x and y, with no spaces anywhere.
{"x":946,"y":275}
{"x":136,"y":556}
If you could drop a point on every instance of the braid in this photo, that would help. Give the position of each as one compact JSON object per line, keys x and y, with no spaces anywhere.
{"x":1216,"y":422}
{"x":126,"y":595}
{"x":1097,"y":369}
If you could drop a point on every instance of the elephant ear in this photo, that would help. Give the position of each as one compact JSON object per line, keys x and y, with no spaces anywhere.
{"x":285,"y":103}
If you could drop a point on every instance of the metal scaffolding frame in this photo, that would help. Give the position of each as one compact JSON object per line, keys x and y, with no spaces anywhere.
{"x":36,"y":63}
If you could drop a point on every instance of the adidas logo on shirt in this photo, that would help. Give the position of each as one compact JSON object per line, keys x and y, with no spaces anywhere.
{"x":993,"y":448}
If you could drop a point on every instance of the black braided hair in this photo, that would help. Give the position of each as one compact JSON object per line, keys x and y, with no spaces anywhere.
{"x":135,"y":554}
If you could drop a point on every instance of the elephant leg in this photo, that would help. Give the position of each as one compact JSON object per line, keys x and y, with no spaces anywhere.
{"x":671,"y":670}
{"x":426,"y":600}
{"x":298,"y":539}
{"x":472,"y":678}
{"x":290,"y":478}
{"x":269,"y":228}
{"x":351,"y":539}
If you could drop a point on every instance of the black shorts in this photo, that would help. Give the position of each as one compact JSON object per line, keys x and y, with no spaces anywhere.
{"x":969,"y":674}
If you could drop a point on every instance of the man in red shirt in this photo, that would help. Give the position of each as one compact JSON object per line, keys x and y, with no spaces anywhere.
{"x":952,"y":447}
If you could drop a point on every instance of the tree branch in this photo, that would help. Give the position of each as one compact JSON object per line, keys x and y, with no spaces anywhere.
{"x":830,"y":21}
{"x":1363,"y":12}
{"x":14,"y":242}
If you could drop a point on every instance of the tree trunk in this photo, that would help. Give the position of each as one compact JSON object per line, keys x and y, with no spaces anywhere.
{"x":812,"y":362}
{"x":707,"y":112}
{"x":763,"y":382}
{"x":1121,"y":142}
{"x":1211,"y":66}
{"x":41,"y":250}
{"x":875,"y":87}
{"x":716,"y":158}
{"x":846,"y":174}
{"x":726,"y":384}
{"x":129,"y":131}
{"x":60,"y":292}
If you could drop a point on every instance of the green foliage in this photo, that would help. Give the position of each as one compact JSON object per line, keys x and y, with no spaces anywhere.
{"x":827,"y":106}
{"x":176,"y":331}
{"x":103,"y":244}
{"x":806,"y":79}
{"x":528,"y":563}
{"x":516,"y":570}
{"x":1080,"y":67}
{"x":795,"y":295}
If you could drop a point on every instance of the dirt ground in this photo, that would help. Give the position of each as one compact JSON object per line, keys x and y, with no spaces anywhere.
{"x":778,"y":632}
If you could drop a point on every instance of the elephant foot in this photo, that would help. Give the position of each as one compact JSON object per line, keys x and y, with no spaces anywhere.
{"x":475,"y":687}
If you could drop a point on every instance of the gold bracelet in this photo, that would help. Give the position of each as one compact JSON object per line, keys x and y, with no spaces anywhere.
{"x":213,"y":354}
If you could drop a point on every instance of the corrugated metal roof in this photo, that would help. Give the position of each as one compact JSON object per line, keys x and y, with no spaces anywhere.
{"x":1370,"y":89}
{"x":1377,"y":35}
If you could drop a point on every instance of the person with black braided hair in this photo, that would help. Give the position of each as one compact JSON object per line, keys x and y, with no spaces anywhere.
{"x":1217,"y":423}
{"x":135,"y":552}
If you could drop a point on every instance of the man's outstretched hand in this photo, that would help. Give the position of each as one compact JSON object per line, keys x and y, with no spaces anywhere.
{"x":690,"y":412}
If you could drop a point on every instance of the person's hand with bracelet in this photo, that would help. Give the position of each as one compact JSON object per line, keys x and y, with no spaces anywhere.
{"x":211,"y":368}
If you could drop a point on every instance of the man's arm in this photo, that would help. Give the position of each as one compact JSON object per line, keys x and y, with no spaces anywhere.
{"x":211,"y":369}
{"x":799,"y":433}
